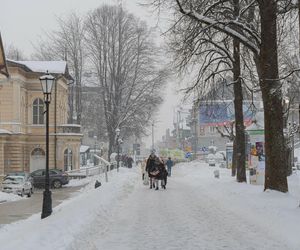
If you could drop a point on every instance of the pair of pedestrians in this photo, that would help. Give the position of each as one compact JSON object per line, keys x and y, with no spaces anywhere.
{"x":156,"y":170}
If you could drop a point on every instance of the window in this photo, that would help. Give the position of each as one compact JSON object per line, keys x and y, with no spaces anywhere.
{"x":38,"y":111}
{"x":202,"y":130}
{"x":38,"y":152}
{"x":38,"y":173}
{"x":68,"y":165}
{"x":211,"y":129}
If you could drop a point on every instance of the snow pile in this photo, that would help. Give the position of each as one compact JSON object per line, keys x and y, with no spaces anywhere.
{"x":278,"y":213}
{"x":4,"y":197}
{"x":68,"y":219}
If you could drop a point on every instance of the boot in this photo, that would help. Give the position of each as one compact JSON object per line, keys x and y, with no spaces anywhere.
{"x":156,"y":188}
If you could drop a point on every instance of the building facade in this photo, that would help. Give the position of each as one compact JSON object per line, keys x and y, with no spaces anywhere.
{"x":22,"y":119}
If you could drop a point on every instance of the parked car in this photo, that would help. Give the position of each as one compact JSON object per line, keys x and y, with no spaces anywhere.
{"x":17,"y":185}
{"x":26,"y":175}
{"x":57,"y":178}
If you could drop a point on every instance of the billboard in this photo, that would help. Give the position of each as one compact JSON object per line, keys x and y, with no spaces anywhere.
{"x":219,"y":112}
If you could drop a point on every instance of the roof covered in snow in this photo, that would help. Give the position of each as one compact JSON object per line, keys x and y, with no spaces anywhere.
{"x":84,"y":148}
{"x":53,"y":67}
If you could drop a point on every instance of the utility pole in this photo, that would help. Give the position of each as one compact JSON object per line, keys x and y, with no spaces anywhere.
{"x":152,"y":134}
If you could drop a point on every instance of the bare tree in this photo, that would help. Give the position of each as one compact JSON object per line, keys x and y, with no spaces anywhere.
{"x":14,"y":53}
{"x":123,"y":56}
{"x":261,"y":40}
{"x":217,"y":56}
{"x":67,"y":43}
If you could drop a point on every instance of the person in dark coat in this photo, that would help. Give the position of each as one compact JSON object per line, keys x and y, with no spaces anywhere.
{"x":169,"y":164}
{"x":163,"y":174}
{"x":129,"y":162}
{"x":152,"y":168}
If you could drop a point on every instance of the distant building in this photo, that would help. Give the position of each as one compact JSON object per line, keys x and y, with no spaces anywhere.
{"x":22,"y":121}
{"x":214,"y":113}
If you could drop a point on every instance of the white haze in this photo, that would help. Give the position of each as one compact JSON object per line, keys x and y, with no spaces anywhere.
{"x":23,"y":22}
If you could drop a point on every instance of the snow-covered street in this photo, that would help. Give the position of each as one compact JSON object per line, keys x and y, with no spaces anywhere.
{"x":196,"y":211}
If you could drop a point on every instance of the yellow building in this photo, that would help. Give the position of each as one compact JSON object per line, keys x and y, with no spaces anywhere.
{"x":22,"y":120}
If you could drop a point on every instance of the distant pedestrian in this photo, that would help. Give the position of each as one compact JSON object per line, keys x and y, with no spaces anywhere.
{"x":163,"y":174}
{"x":129,"y":162}
{"x":143,"y":168}
{"x":152,"y":168}
{"x":169,"y":164}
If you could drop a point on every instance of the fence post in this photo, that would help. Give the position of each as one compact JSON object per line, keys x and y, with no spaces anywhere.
{"x":106,"y":177}
{"x":87,"y":172}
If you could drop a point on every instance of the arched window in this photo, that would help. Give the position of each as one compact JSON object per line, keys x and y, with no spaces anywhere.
{"x":68,"y":164}
{"x":38,"y":152}
{"x":38,"y":111}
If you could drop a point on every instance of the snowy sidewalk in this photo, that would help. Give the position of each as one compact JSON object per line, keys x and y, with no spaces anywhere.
{"x":196,"y":212}
{"x":182,"y":217}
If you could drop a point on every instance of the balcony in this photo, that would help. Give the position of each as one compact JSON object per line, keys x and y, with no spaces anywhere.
{"x":69,"y":129}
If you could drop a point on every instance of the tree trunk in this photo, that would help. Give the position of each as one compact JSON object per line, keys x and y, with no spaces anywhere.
{"x":111,"y":144}
{"x":239,"y":116}
{"x":233,"y":167}
{"x":275,"y":173}
{"x":238,"y":107}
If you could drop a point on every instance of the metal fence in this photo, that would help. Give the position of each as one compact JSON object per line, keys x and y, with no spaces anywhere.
{"x":103,"y":167}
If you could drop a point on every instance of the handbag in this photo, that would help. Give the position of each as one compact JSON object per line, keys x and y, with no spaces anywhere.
{"x":154,"y":172}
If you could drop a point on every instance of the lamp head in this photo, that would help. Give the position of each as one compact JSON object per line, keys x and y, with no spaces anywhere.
{"x":47,"y":83}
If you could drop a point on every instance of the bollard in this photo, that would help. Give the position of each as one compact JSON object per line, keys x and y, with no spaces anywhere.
{"x":217,"y":173}
{"x":97,"y":184}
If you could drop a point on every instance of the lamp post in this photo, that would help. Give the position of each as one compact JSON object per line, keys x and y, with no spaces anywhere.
{"x":47,"y":83}
{"x":95,"y":147}
{"x":292,"y":130}
{"x":152,"y":134}
{"x":118,"y":148}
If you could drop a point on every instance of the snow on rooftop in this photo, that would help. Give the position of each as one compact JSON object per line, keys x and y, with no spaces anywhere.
{"x":83,"y":148}
{"x":54,"y":67}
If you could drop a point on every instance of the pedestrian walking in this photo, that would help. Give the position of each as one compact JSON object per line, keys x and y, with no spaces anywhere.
{"x":145,"y":176}
{"x":163,"y":174}
{"x":129,"y":162}
{"x":152,"y":168}
{"x":169,"y":164}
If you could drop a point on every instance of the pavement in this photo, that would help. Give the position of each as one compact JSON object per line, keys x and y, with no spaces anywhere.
{"x":22,"y":209}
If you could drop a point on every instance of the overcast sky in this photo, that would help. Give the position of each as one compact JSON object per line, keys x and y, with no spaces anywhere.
{"x":22,"y":22}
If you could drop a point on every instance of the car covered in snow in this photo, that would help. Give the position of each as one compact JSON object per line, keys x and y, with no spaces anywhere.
{"x":21,"y":173}
{"x":17,"y":185}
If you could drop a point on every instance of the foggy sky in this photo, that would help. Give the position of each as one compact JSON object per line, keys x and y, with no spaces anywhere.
{"x":22,"y":23}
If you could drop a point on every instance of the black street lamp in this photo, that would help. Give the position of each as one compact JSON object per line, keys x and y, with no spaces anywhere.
{"x":118,"y":148}
{"x":47,"y":83}
{"x":95,"y":148}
